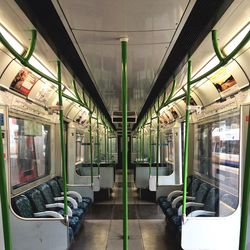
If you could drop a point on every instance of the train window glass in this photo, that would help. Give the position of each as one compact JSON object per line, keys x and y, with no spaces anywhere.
{"x":79,"y":147}
{"x":217,"y":152}
{"x":29,"y":151}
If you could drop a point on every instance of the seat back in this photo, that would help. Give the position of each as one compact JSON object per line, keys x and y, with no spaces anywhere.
{"x":55,"y":188}
{"x":201,"y":193}
{"x":47,"y":193}
{"x":212,"y":200}
{"x":22,"y":206}
{"x":193,"y":187}
{"x":60,"y":182}
{"x":37,"y":200}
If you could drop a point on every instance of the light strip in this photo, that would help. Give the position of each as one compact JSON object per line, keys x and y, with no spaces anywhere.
{"x":11,"y":40}
{"x":236,"y":40}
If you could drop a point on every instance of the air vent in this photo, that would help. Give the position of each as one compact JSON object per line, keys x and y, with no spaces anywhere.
{"x":117,"y":117}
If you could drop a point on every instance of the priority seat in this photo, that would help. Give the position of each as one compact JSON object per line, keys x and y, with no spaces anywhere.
{"x":50,"y":199}
{"x":39,"y":206}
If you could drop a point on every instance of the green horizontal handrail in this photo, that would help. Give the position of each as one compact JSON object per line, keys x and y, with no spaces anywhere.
{"x":24,"y":60}
{"x":32,"y":46}
{"x":223,"y":61}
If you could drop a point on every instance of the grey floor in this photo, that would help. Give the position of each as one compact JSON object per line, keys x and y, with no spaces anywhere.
{"x":102,"y":228}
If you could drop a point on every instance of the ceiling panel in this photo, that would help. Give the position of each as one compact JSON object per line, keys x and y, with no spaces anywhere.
{"x":96,"y":27}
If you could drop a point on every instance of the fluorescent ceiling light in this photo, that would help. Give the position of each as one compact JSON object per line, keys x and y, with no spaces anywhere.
{"x":35,"y":63}
{"x":236,"y":40}
{"x":11,"y":40}
{"x":212,"y":63}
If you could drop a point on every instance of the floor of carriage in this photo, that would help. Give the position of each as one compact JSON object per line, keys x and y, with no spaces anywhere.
{"x":102,"y":228}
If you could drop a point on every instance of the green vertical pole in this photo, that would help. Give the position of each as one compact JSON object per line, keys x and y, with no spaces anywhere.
{"x":108,"y":144}
{"x":157,"y":148}
{"x":98,"y":144}
{"x":105,"y":144}
{"x":150,"y":147}
{"x":137,"y":143}
{"x":4,"y":199}
{"x":63,"y":153}
{"x":143,"y":143}
{"x":186,"y":142}
{"x":125,"y":142}
{"x":246,"y":195}
{"x":91,"y":148}
{"x":140,"y":145}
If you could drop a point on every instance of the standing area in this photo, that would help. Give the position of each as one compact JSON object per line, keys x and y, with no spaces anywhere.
{"x":102,"y":229}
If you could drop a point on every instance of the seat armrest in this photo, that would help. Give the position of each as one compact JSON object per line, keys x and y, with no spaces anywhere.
{"x":174,"y":194}
{"x":190,"y":204}
{"x":180,"y":198}
{"x":197,"y":213}
{"x":74,"y":194}
{"x":70,"y":199}
{"x":48,"y":213}
{"x":60,"y":205}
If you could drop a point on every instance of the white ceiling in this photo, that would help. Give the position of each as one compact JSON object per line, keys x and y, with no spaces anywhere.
{"x":95,"y":28}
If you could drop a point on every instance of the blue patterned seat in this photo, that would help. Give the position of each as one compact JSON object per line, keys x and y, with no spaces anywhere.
{"x":49,"y":199}
{"x":57,"y":190}
{"x":38,"y":204}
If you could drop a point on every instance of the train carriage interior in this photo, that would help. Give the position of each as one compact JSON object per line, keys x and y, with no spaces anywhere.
{"x":124,"y":125}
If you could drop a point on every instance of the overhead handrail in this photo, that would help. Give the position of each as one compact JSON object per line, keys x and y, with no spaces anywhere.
{"x":186,"y":143}
{"x":24,"y":60}
{"x":222,"y":62}
{"x":32,"y":46}
{"x":4,"y":199}
{"x":78,"y":97}
{"x":63,"y":154}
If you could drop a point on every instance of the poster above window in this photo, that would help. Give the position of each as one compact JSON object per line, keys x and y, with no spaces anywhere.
{"x":24,"y":82}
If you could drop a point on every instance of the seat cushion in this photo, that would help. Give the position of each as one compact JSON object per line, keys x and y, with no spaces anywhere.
{"x":176,"y":220}
{"x":74,"y":223}
{"x":37,"y":201}
{"x":22,"y":206}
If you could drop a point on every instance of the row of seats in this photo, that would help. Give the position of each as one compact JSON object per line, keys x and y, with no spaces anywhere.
{"x":202,"y":200}
{"x":46,"y":200}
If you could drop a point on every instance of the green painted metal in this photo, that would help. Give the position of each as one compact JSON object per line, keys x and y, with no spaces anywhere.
{"x":166,"y":102}
{"x":157,"y":147}
{"x":91,"y":149}
{"x":150,"y":146}
{"x":32,"y":46}
{"x":246,"y":196}
{"x":185,"y":170}
{"x":4,"y":199}
{"x":143,"y":141}
{"x":63,"y":153}
{"x":108,"y":144}
{"x":98,"y":143}
{"x":216,"y":45}
{"x":125,"y":143}
{"x":105,"y":144}
{"x":82,"y":103}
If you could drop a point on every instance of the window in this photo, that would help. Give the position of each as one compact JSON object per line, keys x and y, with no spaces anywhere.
{"x":217,"y":158}
{"x":29,"y":151}
{"x":79,"y":147}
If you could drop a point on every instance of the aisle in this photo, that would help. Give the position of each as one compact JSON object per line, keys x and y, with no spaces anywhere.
{"x":102,"y":229}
